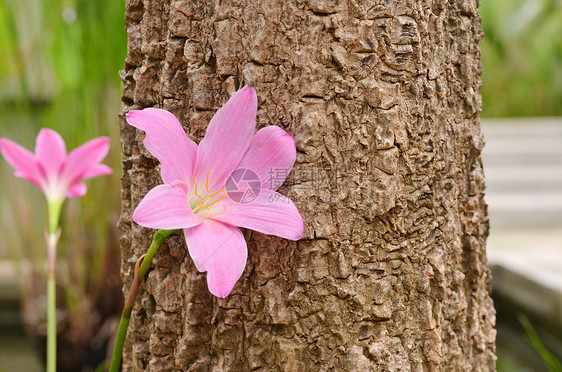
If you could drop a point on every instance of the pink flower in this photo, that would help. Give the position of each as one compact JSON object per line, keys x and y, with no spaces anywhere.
{"x":222,"y":183}
{"x":57,"y":174}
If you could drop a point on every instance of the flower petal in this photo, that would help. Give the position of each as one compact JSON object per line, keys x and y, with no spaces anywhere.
{"x":271,"y":156}
{"x":22,"y":160}
{"x":166,"y":207}
{"x":97,"y":170}
{"x":50,"y":151}
{"x":270,"y":213}
{"x":80,"y":160}
{"x":228,"y":136}
{"x":166,"y":140}
{"x":219,"y":249}
{"x":77,"y":190}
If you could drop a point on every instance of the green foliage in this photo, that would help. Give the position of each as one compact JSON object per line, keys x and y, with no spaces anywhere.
{"x":522,"y":57}
{"x":59,"y":63}
{"x":552,"y":363}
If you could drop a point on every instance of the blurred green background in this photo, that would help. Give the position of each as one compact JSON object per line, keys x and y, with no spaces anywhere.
{"x":59,"y":63}
{"x":522,"y":58}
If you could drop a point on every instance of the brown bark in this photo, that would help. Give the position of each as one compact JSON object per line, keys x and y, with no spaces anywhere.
{"x":382,"y":99}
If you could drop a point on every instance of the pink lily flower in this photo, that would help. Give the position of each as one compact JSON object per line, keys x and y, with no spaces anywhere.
{"x":55,"y":173}
{"x":223,"y":183}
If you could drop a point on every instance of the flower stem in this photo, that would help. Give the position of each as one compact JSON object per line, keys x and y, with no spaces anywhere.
{"x":52,"y":236}
{"x":51,"y":325}
{"x":140,"y":271}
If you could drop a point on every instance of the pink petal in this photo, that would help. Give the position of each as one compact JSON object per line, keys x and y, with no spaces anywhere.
{"x":219,"y":249}
{"x":270,"y":213}
{"x":166,"y":140}
{"x":50,"y":151}
{"x":97,"y":170}
{"x":228,"y":136}
{"x":77,"y":190}
{"x":166,"y":207}
{"x":80,"y":160}
{"x":22,"y":161}
{"x":271,"y":156}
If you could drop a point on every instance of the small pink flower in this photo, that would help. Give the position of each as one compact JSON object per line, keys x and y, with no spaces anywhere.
{"x":57,"y":174}
{"x":200,"y":193}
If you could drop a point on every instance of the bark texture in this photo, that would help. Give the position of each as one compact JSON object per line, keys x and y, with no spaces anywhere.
{"x":382,"y":99}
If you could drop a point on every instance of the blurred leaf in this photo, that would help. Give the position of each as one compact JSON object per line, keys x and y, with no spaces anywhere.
{"x":552,"y":363}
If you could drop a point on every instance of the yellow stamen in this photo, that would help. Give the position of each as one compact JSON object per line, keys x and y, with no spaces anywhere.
{"x":207,"y":183}
{"x":209,"y":196}
{"x":207,"y":207}
{"x":195,"y":182}
{"x":201,"y":203}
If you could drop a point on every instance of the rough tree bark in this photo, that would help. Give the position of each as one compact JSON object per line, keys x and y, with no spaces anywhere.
{"x":383,"y":101}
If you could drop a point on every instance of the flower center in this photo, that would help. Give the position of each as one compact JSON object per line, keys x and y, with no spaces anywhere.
{"x":201,"y":203}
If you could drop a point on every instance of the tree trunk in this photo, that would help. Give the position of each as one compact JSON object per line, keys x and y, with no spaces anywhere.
{"x":382,"y":99}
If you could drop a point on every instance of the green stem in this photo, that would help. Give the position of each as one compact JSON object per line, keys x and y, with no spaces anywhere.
{"x":51,"y":325}
{"x":140,"y":271}
{"x":53,"y":234}
{"x":157,"y":240}
{"x":54,"y":207}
